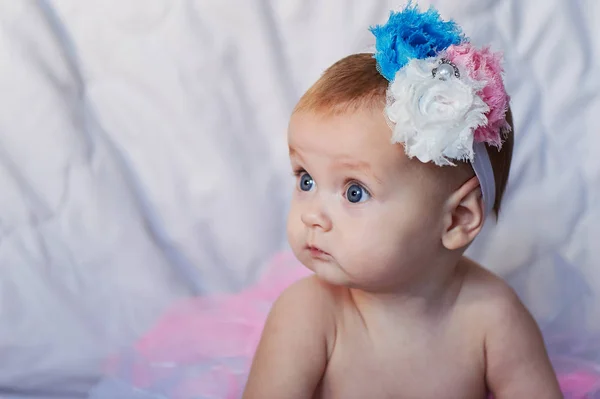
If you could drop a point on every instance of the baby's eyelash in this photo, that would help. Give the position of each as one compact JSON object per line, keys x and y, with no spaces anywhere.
{"x":350,"y":182}
{"x":298,"y":171}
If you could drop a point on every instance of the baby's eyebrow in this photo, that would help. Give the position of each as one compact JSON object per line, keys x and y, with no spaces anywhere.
{"x":360,"y":166}
{"x":294,"y":155}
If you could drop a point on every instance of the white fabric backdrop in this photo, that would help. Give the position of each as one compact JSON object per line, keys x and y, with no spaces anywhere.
{"x":143,"y":158}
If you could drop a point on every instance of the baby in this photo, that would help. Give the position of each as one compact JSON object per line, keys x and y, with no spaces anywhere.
{"x":399,"y":158}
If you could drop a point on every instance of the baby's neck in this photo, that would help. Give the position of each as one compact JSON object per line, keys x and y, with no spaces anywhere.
{"x":425,"y":299}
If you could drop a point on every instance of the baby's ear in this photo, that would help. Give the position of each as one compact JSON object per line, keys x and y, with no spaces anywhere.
{"x":463,"y":215}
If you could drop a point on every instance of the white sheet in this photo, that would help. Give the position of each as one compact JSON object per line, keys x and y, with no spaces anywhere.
{"x":143,"y":158}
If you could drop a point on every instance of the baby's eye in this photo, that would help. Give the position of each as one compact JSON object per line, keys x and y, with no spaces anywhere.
{"x":356,"y":193}
{"x":306,"y":182}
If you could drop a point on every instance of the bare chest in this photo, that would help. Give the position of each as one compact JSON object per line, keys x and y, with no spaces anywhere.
{"x":442,"y":364}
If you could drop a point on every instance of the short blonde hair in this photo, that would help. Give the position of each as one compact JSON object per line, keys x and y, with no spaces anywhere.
{"x":354,"y":82}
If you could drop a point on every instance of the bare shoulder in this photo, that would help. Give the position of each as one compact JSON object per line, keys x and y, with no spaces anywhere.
{"x":516,"y":361}
{"x":497,"y":303}
{"x":307,"y":300}
{"x":305,"y":309}
{"x":488,"y":298}
{"x":311,"y":290}
{"x":494,"y":301}
{"x":296,"y":342}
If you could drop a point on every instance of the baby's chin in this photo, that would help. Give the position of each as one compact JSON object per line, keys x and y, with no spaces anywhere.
{"x":325,"y":269}
{"x":342,"y":276}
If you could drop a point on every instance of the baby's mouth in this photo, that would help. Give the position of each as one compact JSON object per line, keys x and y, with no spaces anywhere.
{"x":317,"y":252}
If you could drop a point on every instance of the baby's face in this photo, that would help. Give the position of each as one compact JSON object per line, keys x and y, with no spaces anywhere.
{"x":362,"y":214}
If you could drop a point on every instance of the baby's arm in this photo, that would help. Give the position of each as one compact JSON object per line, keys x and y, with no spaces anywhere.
{"x":517,"y":365}
{"x":292,"y":354}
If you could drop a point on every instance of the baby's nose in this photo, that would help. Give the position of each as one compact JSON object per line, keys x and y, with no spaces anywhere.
{"x":316,"y":217}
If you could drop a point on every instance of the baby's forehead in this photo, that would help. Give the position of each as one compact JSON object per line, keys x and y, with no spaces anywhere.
{"x":362,"y":127}
{"x":360,"y":137}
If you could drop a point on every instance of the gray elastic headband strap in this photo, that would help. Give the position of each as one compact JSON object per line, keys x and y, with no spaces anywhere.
{"x":484,"y":172}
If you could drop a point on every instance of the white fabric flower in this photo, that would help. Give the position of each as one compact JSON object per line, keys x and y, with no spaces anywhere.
{"x":435,"y":119}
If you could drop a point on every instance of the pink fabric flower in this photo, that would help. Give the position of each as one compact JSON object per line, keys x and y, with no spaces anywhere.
{"x":485,"y":65}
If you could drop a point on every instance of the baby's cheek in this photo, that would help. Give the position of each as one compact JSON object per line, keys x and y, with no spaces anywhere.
{"x":293,"y":230}
{"x":370,"y":251}
{"x":294,"y":239}
{"x":382,"y":245}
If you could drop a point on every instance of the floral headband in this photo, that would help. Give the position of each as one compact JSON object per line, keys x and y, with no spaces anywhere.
{"x":446,"y":98}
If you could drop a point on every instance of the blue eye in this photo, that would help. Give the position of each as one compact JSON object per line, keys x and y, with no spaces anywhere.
{"x":355,"y":193}
{"x":306,"y":182}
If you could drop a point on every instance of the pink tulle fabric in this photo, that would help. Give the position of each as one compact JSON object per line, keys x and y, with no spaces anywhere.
{"x":203,"y":347}
{"x":485,"y":65}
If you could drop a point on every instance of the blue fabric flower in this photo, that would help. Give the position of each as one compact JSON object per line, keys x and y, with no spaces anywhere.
{"x":409,"y":34}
